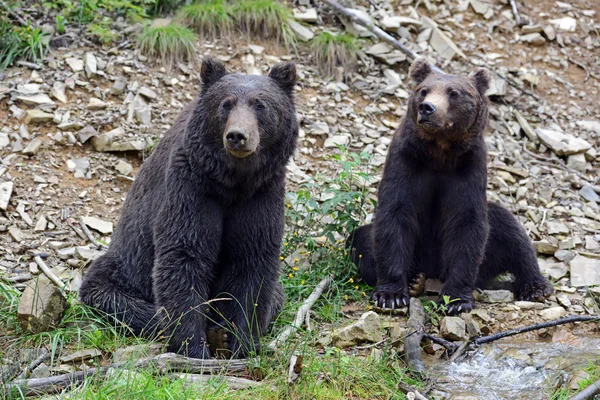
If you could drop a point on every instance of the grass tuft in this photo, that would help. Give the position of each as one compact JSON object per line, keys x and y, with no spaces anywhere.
{"x":265,"y":19}
{"x":332,"y":50}
{"x":17,"y":43}
{"x":211,"y":19}
{"x":170,"y":44}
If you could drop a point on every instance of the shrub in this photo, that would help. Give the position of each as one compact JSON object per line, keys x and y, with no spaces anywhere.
{"x":331,"y":50}
{"x":170,"y":44}
{"x":265,"y":19}
{"x":212,"y":18}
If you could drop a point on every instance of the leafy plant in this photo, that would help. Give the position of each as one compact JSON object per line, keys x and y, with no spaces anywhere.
{"x":101,"y":31}
{"x":170,"y":44}
{"x":265,"y":19}
{"x":330,"y":51}
{"x":21,"y":43}
{"x":212,"y":18}
{"x":60,"y":23}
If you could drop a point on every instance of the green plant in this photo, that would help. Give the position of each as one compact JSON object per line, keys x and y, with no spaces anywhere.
{"x":170,"y":44}
{"x":60,"y":23}
{"x":101,"y":31}
{"x":330,"y":51}
{"x":211,"y":19}
{"x":21,"y":43}
{"x":265,"y":19}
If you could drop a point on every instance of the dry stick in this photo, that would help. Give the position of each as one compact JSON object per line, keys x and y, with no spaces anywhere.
{"x":163,"y":363}
{"x":515,"y":11}
{"x":14,"y":14}
{"x":451,"y":347}
{"x":55,"y":279}
{"x":512,"y":332}
{"x":90,"y":237}
{"x":376,"y":30}
{"x":406,"y":389}
{"x":589,"y":392}
{"x":412,"y":345}
{"x":301,"y":314}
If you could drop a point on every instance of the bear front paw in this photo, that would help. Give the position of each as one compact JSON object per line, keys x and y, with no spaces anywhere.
{"x":535,"y":291}
{"x":199,"y":350}
{"x":416,"y":286}
{"x":390,"y":298}
{"x":457,"y":306}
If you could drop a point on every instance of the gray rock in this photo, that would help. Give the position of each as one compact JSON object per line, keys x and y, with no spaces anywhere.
{"x":86,"y":133}
{"x":534,"y":38}
{"x":564,"y":255}
{"x":37,"y":117}
{"x":101,"y":226}
{"x":16,"y":234}
{"x":302,"y":33}
{"x":41,"y":306}
{"x":588,"y":193}
{"x":392,"y":23}
{"x":386,"y":53}
{"x":545,"y":247}
{"x":87,"y":254}
{"x":366,"y":329}
{"x":585,"y":271}
{"x":114,"y":141}
{"x":59,"y":92}
{"x":309,"y":15}
{"x":497,"y":296}
{"x":453,"y":328}
{"x":118,"y":86}
{"x":96,"y":104}
{"x":552,"y":313}
{"x":562,"y":144}
{"x":338,"y":140}
{"x":40,"y":99}
{"x":81,"y":355}
{"x":6,"y":189}
{"x":529,"y":305}
{"x":137,"y":351}
{"x":441,"y":43}
{"x":147,"y":93}
{"x":79,"y":166}
{"x":553,"y":270}
{"x":124,"y":167}
{"x":577,"y":162}
{"x":75,"y":64}
{"x":33,"y":147}
{"x":91,"y":64}
{"x":41,"y":371}
{"x":557,"y":227}
{"x":590,"y":125}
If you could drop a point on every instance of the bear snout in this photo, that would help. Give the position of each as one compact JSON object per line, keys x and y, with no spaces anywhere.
{"x":426,"y":109}
{"x":241,"y":135}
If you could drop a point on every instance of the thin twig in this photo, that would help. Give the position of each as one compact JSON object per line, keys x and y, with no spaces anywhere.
{"x":301,"y":314}
{"x":412,"y":345}
{"x":90,"y":236}
{"x":515,"y":11}
{"x":55,"y":279}
{"x":376,"y":30}
{"x":451,"y":347}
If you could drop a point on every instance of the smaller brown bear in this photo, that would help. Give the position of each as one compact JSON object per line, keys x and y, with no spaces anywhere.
{"x":432,"y":216}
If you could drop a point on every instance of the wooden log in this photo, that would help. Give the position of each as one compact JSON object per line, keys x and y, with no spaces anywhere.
{"x":589,"y":392}
{"x":412,"y":344}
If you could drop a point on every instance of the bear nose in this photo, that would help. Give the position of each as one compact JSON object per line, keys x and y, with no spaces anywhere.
{"x":236,"y":137}
{"x":426,"y":109}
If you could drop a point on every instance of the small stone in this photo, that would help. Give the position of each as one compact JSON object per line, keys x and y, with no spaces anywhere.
{"x":101,"y":226}
{"x":585,"y":271}
{"x":588,"y":193}
{"x":41,"y":306}
{"x":440,"y":42}
{"x":147,"y":93}
{"x":91,"y":64}
{"x":81,"y":355}
{"x":6,"y":189}
{"x":86,"y":133}
{"x":309,"y":15}
{"x":553,"y":270}
{"x":75,"y":64}
{"x":497,"y":296}
{"x":87,"y":254}
{"x":16,"y":234}
{"x":59,"y":92}
{"x":41,"y":371}
{"x":561,"y":143}
{"x":319,"y":128}
{"x":553,"y":313}
{"x":137,"y":351}
{"x":302,"y":33}
{"x":366,"y":329}
{"x":564,"y":255}
{"x":556,"y":227}
{"x":534,"y":38}
{"x":37,"y":117}
{"x":577,"y":162}
{"x":529,"y":305}
{"x":591,"y":243}
{"x":544,"y":247}
{"x":39,"y":99}
{"x":565,"y":24}
{"x":96,"y":104}
{"x":41,"y":224}
{"x":33,"y":147}
{"x":531,"y":29}
{"x":549,"y":32}
{"x":338,"y":140}
{"x":118,"y":86}
{"x":453,"y":328}
{"x":124,"y":167}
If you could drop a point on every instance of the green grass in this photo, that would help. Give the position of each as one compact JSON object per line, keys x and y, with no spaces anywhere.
{"x":169,"y":44}
{"x":210,"y":19}
{"x":265,"y":19}
{"x":565,"y":393}
{"x":330,"y":51}
{"x":20,"y":43}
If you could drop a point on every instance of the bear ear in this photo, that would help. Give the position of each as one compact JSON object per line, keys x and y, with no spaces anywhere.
{"x":211,"y":71}
{"x":420,"y":69}
{"x":285,"y":75}
{"x":482,"y":79}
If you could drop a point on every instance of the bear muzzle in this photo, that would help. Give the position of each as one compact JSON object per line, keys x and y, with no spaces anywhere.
{"x":241,"y":135}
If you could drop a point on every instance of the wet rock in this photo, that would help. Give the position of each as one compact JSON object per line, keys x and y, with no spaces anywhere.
{"x":41,"y":306}
{"x":562,"y":144}
{"x":37,"y":117}
{"x":81,"y":355}
{"x":302,"y":33}
{"x":366,"y":329}
{"x":497,"y":296}
{"x":552,"y":313}
{"x":101,"y":226}
{"x":585,"y":271}
{"x":453,"y":328}
{"x":6,"y":189}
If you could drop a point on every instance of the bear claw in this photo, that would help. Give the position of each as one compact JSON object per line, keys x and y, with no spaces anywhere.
{"x":536,"y":291}
{"x":417,"y":285}
{"x":218,"y":342}
{"x":390,"y":300}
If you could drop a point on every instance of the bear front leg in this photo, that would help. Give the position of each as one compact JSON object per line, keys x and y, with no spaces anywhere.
{"x":464,"y":235}
{"x":187,"y":244}
{"x":250,"y":270}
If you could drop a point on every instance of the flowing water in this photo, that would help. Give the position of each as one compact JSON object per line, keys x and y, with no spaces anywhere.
{"x":513,"y":369}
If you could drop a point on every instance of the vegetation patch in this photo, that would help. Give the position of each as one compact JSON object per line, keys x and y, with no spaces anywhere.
{"x":265,"y":19}
{"x":18,"y":42}
{"x":170,"y":44}
{"x":330,"y":51}
{"x":211,"y":19}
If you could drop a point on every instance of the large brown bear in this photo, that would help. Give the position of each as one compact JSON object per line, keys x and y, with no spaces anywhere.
{"x":204,"y":219}
{"x":432,"y":216}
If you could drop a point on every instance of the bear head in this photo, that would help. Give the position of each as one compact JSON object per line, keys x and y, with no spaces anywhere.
{"x":244,"y":115}
{"x":448,"y":107}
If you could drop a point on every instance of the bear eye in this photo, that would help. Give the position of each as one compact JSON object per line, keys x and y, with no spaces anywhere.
{"x":453,"y":94}
{"x":260,"y":105}
{"x":423,"y":92}
{"x":227,"y":104}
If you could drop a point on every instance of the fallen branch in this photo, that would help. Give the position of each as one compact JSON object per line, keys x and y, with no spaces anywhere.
{"x":375,"y":30}
{"x":90,"y":237}
{"x":412,"y":344}
{"x":13,"y":14}
{"x":55,"y":279}
{"x":589,"y":392}
{"x":163,"y":364}
{"x":574,"y":318}
{"x":301,"y":314}
{"x":408,"y":390}
{"x":451,"y":347}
